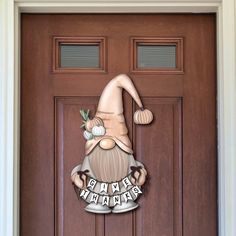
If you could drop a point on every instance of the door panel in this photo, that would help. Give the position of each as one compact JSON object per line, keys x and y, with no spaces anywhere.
{"x":178,"y":148}
{"x":160,"y":148}
{"x":69,"y":151}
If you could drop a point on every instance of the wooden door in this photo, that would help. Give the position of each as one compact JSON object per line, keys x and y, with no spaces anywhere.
{"x":178,"y":148}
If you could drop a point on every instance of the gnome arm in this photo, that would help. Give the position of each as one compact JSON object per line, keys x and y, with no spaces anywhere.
{"x":137,"y":171}
{"x":79,"y":177}
{"x":80,"y":173}
{"x":138,"y":175}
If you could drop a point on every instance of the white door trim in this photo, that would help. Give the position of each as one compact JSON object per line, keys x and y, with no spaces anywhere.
{"x":10,"y":92}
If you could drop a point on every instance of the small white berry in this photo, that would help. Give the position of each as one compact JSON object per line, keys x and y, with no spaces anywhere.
{"x":98,"y":130}
{"x":88,"y":135}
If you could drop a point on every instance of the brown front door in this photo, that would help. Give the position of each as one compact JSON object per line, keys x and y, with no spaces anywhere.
{"x":66,"y":62}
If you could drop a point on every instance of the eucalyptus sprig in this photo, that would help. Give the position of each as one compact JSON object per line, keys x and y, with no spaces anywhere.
{"x":85,"y":117}
{"x":84,"y":114}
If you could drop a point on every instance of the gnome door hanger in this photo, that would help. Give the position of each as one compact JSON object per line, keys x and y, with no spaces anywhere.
{"x":110,"y":180}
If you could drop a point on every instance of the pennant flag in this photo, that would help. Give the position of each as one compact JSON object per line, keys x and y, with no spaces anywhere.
{"x":103,"y":187}
{"x":105,"y":200}
{"x":131,"y":193}
{"x":91,"y":183}
{"x":94,"y":198}
{"x":84,"y":194}
{"x":115,"y":187}
{"x":127,"y":196}
{"x":126,"y":182}
{"x":116,"y":200}
{"x":136,"y":191}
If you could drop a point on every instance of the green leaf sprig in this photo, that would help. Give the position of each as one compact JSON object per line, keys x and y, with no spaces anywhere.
{"x":85,"y":117}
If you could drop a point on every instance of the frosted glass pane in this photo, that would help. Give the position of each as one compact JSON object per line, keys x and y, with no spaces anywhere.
{"x":79,"y":56}
{"x":156,"y":56}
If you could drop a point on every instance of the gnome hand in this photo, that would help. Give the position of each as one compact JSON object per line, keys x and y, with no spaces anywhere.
{"x":138,"y":175}
{"x":79,"y":179}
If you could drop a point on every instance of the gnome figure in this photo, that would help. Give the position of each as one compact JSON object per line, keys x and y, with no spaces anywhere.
{"x":110,"y":179}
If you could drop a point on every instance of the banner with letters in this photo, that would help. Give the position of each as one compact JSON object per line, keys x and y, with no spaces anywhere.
{"x":109,"y":194}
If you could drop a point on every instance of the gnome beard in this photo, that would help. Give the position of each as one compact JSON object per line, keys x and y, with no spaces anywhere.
{"x":109,"y":165}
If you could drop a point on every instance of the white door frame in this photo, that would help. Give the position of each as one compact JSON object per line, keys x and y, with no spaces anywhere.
{"x":10,"y":92}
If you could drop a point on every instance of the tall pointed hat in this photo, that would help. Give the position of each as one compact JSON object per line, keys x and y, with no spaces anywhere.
{"x":110,"y":110}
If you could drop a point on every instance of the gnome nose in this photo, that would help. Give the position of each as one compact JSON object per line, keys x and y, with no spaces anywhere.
{"x":107,"y":143}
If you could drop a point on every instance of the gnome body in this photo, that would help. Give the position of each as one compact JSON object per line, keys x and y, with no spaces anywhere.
{"x":109,"y":165}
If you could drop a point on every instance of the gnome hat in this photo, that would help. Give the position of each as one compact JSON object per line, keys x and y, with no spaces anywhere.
{"x":110,"y":110}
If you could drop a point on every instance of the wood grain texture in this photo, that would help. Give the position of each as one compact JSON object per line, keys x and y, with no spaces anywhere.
{"x":69,"y":143}
{"x":199,"y":132}
{"x":178,"y":148}
{"x":159,"y":146}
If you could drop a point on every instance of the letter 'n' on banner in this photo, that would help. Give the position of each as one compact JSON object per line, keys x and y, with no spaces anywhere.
{"x":116,"y":199}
